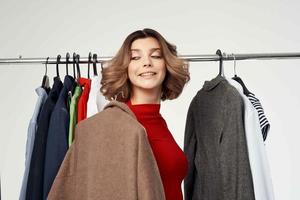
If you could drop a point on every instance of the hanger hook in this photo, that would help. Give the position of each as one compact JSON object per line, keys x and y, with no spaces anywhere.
{"x":89,"y":61}
{"x":74,"y":62}
{"x":67,"y":62}
{"x":46,"y":66}
{"x":219,"y":53}
{"x":95,"y":64}
{"x":234,"y":64}
{"x":57,"y":63}
{"x":116,"y":95}
{"x":77,"y":59}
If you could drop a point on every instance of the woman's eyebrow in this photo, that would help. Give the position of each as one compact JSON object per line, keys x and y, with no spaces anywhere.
{"x":152,"y":49}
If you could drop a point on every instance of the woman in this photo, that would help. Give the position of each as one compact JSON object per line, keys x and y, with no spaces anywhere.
{"x":146,"y":71}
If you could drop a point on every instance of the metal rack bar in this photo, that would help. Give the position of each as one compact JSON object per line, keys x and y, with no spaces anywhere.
{"x":189,"y":58}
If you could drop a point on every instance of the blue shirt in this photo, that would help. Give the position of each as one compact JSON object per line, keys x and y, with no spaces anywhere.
{"x":42,"y":96}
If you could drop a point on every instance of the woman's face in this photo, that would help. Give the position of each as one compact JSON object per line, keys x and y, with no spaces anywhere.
{"x":147,"y":68}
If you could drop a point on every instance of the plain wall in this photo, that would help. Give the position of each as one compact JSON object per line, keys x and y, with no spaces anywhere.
{"x":47,"y":28}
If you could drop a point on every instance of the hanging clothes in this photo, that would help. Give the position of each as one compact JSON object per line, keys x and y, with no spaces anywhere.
{"x":96,"y":100}
{"x":263,"y":121}
{"x":36,"y":171}
{"x":215,"y":145}
{"x":31,"y":131}
{"x":171,"y":160}
{"x":73,"y":113}
{"x":110,"y":159}
{"x":260,"y":170}
{"x":57,"y":141}
{"x":82,"y":102}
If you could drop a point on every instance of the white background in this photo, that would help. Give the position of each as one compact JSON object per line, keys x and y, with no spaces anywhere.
{"x":46,"y":28}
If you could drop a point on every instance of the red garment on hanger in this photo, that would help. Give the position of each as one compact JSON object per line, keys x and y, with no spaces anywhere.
{"x":171,"y":160}
{"x":82,"y":102}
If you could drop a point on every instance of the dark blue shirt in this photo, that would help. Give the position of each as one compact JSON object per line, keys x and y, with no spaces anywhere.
{"x":36,"y":172}
{"x":57,"y":141}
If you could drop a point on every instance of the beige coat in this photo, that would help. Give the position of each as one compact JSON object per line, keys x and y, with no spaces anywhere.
{"x":110,"y":159}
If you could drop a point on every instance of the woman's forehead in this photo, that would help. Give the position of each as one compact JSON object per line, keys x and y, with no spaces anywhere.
{"x":145,"y":44}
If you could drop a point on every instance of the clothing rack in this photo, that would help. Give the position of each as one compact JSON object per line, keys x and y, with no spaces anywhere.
{"x":189,"y":58}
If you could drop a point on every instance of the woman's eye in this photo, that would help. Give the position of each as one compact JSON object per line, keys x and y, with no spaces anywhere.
{"x":135,"y":58}
{"x":158,"y":57}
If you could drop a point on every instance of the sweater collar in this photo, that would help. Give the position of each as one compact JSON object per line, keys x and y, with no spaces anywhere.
{"x":145,"y":109}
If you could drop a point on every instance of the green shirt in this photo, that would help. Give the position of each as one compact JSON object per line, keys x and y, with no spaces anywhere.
{"x":73,"y":112}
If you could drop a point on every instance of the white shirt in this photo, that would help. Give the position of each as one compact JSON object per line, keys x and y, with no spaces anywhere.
{"x":260,"y":170}
{"x":96,"y":101}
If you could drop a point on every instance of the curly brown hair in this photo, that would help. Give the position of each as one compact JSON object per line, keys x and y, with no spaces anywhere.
{"x":115,"y":79}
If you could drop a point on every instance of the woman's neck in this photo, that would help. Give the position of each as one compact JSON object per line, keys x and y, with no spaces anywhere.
{"x":145,"y":98}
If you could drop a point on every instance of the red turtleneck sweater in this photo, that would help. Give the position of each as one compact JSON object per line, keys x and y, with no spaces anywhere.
{"x":171,"y":160}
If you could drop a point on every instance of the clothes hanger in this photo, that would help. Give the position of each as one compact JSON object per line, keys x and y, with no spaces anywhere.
{"x":95,"y":64}
{"x":221,"y":69}
{"x":89,"y":61}
{"x":74,"y":63}
{"x":67,"y":71}
{"x":57,"y":63}
{"x":67,"y":62}
{"x":45,"y":81}
{"x":77,"y":58}
{"x":116,"y":95}
{"x":239,"y":80}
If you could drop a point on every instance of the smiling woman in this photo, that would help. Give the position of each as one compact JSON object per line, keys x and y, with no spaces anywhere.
{"x":145,"y":71}
{"x":144,"y":50}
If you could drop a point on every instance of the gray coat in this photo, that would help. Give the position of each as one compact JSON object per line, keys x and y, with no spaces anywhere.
{"x":215,"y":145}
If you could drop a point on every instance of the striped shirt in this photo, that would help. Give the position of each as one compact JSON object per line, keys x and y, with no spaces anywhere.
{"x":264,"y":123}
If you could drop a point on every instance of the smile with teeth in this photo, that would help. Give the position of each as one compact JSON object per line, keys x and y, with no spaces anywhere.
{"x":147,"y":74}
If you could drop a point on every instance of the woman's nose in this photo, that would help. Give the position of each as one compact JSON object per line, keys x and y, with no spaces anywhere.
{"x":147,"y":62}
